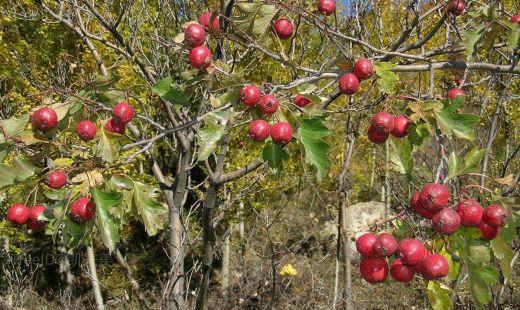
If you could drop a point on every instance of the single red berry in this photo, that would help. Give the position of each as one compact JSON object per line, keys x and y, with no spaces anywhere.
{"x":56,"y":179}
{"x":470,"y":212}
{"x":374,"y":270}
{"x":457,"y":7}
{"x":82,"y":210}
{"x":363,"y":69}
{"x":385,"y":245}
{"x":115,"y":126}
{"x":268,"y":104}
{"x":495,"y":215}
{"x":455,"y":92}
{"x":435,"y":266}
{"x":515,"y":19}
{"x":250,"y":95}
{"x":281,"y":133}
{"x":259,"y":130}
{"x":376,"y":137}
{"x":412,"y":251}
{"x":44,"y":119}
{"x":446,"y":221}
{"x":401,"y":124}
{"x":418,"y":208}
{"x":18,"y":214}
{"x":195,"y":35}
{"x":86,"y":130}
{"x":301,"y":101}
{"x":326,"y":7}
{"x":400,"y":272}
{"x":33,"y":223}
{"x":205,"y":20}
{"x":241,"y":144}
{"x":365,"y":245}
{"x":123,"y":112}
{"x":348,"y":84}
{"x":200,"y":57}
{"x":488,"y":232}
{"x":434,"y":197}
{"x":283,"y":28}
{"x":383,"y":122}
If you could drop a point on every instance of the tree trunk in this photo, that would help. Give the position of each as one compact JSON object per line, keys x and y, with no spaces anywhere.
{"x":94,"y":278}
{"x":225,"y":262}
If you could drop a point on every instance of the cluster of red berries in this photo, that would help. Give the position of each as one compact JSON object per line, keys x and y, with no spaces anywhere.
{"x":383,"y":124}
{"x":432,"y":200}
{"x":195,"y":36}
{"x":46,"y":119}
{"x":349,"y":82}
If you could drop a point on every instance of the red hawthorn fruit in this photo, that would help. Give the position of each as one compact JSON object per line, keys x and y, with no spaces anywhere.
{"x":374,"y":270}
{"x":363,"y":69}
{"x":33,"y":223}
{"x":115,"y":126}
{"x":259,"y":130}
{"x":470,"y":212}
{"x":123,"y":112}
{"x":488,"y":232}
{"x":454,"y":93}
{"x":268,"y":104}
{"x":376,"y":137}
{"x":401,"y":124}
{"x":434,"y":197}
{"x":205,"y":19}
{"x":417,"y":268}
{"x":365,"y":245}
{"x":18,"y":214}
{"x":515,"y":19}
{"x":241,"y":144}
{"x":446,"y":221}
{"x":200,"y":57}
{"x":283,"y":28}
{"x":412,"y":251}
{"x":326,"y":7}
{"x":250,"y":95}
{"x":281,"y":133}
{"x":457,"y":7}
{"x":82,"y":210}
{"x":86,"y":130}
{"x":401,"y":272}
{"x":385,"y":245}
{"x":382,"y":122}
{"x":495,"y":215}
{"x":435,"y":266}
{"x":44,"y":119}
{"x":301,"y":101}
{"x":418,"y":208}
{"x":195,"y":35}
{"x":56,"y":179}
{"x":348,"y":84}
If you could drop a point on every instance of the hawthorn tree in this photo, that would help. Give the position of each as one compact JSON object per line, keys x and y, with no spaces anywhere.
{"x":183,"y":86}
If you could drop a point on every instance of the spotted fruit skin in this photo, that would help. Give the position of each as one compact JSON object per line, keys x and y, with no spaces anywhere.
{"x":434,"y":197}
{"x":401,"y":272}
{"x":446,"y":221}
{"x":457,"y":7}
{"x":268,"y":104}
{"x":374,"y":270}
{"x":301,"y":101}
{"x":411,"y":251}
{"x":200,"y":57}
{"x":115,"y":126}
{"x":283,"y":28}
{"x":326,"y":7}
{"x":515,"y":19}
{"x":435,"y":266}
{"x":348,"y":84}
{"x":455,"y":92}
{"x":375,"y":136}
{"x":259,"y":130}
{"x":195,"y":35}
{"x":495,"y":215}
{"x":123,"y":112}
{"x":44,"y":119}
{"x":382,"y":122}
{"x":488,"y":232}
{"x":56,"y":179}
{"x":385,"y":246}
{"x":281,"y":133}
{"x":250,"y":95}
{"x":470,"y":212}
{"x":82,"y":210}
{"x":33,"y":223}
{"x":365,"y":245}
{"x":418,"y":208}
{"x":86,"y":130}
{"x":18,"y":214}
{"x":205,"y":20}
{"x":363,"y":69}
{"x":401,"y":124}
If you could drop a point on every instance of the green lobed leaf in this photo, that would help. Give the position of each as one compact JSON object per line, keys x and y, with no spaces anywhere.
{"x":112,"y":96}
{"x":107,"y":225}
{"x":169,"y":91}
{"x":311,"y":134}
{"x":462,"y":125}
{"x":274,"y":155}
{"x":453,"y":165}
{"x":152,"y":213}
{"x":387,"y":78}
{"x":471,"y":39}
{"x":439,"y":296}
{"x":419,"y":134}
{"x":212,"y":132}
{"x":105,"y":82}
{"x":401,"y":156}
{"x":254,"y":18}
{"x":13,"y":126}
{"x":105,"y":149}
{"x":504,"y":254}
{"x":19,"y":171}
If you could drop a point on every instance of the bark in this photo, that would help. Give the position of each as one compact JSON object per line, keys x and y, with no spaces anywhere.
{"x":94,"y":278}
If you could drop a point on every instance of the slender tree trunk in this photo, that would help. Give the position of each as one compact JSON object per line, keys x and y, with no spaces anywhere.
{"x":94,"y":278}
{"x":225,"y":262}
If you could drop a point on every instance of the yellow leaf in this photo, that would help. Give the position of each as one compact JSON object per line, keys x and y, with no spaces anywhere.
{"x":288,"y":270}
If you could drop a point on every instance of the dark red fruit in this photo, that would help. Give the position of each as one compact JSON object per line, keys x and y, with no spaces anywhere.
{"x":301,"y":101}
{"x":446,"y":221}
{"x":363,"y":69}
{"x":205,"y":20}
{"x":195,"y":35}
{"x":400,"y":272}
{"x":412,"y":251}
{"x":383,"y":122}
{"x":365,"y":244}
{"x":495,"y":215}
{"x":283,"y":28}
{"x":259,"y":130}
{"x":470,"y":212}
{"x":488,"y":232}
{"x":348,"y":84}
{"x":115,"y":126}
{"x":250,"y":95}
{"x":18,"y":214}
{"x":86,"y":130}
{"x":123,"y":112}
{"x":82,"y":210}
{"x":56,"y":179}
{"x":241,"y":144}
{"x":457,"y":7}
{"x":376,"y":137}
{"x":268,"y":104}
{"x":418,"y":208}
{"x":417,"y":268}
{"x":326,"y":7}
{"x":515,"y":19}
{"x":433,"y":197}
{"x":385,"y":245}
{"x":33,"y":223}
{"x":200,"y":57}
{"x":281,"y":133}
{"x":455,"y":92}
{"x":435,"y":266}
{"x":374,"y":270}
{"x":44,"y":119}
{"x":401,"y":124}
